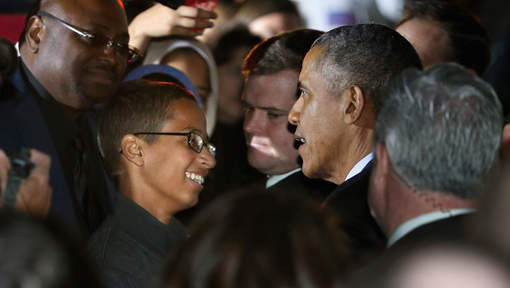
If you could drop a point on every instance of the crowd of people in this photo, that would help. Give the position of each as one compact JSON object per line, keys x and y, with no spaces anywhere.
{"x":155,"y":144}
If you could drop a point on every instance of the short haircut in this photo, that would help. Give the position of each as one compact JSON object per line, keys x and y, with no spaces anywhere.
{"x":261,"y":240}
{"x":281,"y":52}
{"x":366,"y":55}
{"x":470,"y":43}
{"x":442,"y":129}
{"x":138,"y":106}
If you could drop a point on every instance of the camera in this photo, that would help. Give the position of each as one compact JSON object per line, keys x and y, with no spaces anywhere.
{"x":20,"y":163}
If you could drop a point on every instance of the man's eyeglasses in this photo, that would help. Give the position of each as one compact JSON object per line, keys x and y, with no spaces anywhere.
{"x":97,"y":40}
{"x":195,"y":141}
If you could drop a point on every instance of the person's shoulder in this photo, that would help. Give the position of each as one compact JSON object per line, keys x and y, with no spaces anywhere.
{"x":453,"y":228}
{"x":97,"y":244}
{"x":120,"y":278}
{"x":115,"y":251}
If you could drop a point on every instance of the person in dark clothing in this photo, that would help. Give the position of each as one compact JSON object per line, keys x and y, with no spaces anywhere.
{"x":271,"y":72}
{"x":258,"y":239}
{"x":154,"y":142}
{"x":340,"y":84}
{"x":431,"y":167}
{"x":73,"y":57}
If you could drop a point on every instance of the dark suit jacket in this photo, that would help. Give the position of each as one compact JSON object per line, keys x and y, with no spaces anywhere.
{"x":447,"y":229}
{"x":349,"y":200}
{"x":23,"y":125}
{"x":298,"y":183}
{"x":131,"y":246}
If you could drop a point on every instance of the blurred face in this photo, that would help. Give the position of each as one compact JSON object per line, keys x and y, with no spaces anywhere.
{"x":443,"y":267}
{"x":77,"y":72}
{"x":267,"y":100}
{"x":194,"y":66}
{"x":430,"y":41}
{"x":230,"y":79}
{"x":171,"y":168}
{"x":273,"y":23}
{"x":317,"y":115}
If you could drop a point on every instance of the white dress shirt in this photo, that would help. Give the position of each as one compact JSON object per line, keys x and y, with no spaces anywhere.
{"x":359,"y":166}
{"x":273,"y":179}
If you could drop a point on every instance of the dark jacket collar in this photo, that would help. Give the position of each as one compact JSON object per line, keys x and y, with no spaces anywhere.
{"x":145,"y":228}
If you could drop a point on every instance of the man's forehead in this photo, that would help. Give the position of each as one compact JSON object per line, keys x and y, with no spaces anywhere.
{"x":311,"y":61}
{"x":102,"y":14}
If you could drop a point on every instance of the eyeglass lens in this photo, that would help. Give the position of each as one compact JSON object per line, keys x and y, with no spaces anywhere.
{"x":197,"y":143}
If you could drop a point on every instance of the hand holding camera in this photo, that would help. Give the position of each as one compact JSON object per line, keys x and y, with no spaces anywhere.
{"x":24,"y":178}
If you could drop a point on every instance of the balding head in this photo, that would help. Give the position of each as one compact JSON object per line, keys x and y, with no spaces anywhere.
{"x":78,"y":71}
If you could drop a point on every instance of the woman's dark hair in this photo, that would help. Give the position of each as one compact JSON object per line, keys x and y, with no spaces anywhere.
{"x":260,"y":239}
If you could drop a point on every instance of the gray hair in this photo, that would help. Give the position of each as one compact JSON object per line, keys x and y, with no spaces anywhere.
{"x":442,"y":129}
{"x":366,"y":55}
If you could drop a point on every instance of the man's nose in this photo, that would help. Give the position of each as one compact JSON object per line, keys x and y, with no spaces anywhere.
{"x":254,"y":121}
{"x":294,"y":112}
{"x":207,"y":159}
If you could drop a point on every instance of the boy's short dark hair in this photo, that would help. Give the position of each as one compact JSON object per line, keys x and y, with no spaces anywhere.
{"x":138,"y":106}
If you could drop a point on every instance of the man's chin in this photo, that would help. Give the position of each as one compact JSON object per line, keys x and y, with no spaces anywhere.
{"x":309,"y":171}
{"x":260,"y":162}
{"x":98,"y":94}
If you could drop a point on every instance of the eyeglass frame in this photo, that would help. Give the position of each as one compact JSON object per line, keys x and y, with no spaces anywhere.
{"x":210,"y":147}
{"x":133,"y":52}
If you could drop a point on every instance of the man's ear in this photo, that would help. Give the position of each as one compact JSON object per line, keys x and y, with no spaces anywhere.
{"x":132,"y":149}
{"x":34,"y":33}
{"x":354,"y":104}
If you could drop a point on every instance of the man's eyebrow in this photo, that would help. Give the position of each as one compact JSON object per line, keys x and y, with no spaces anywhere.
{"x":302,"y":86}
{"x":273,"y":109}
{"x":265,"y":108}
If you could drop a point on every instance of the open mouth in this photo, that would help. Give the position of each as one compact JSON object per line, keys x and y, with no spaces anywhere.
{"x":199,"y":179}
{"x":298,"y":141}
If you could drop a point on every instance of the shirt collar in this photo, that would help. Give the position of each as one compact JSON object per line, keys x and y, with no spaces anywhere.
{"x":273,"y":179}
{"x":413,"y":223}
{"x":359,"y":166}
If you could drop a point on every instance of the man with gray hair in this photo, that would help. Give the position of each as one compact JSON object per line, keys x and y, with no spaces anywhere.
{"x":340,"y":83}
{"x":436,"y":138}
